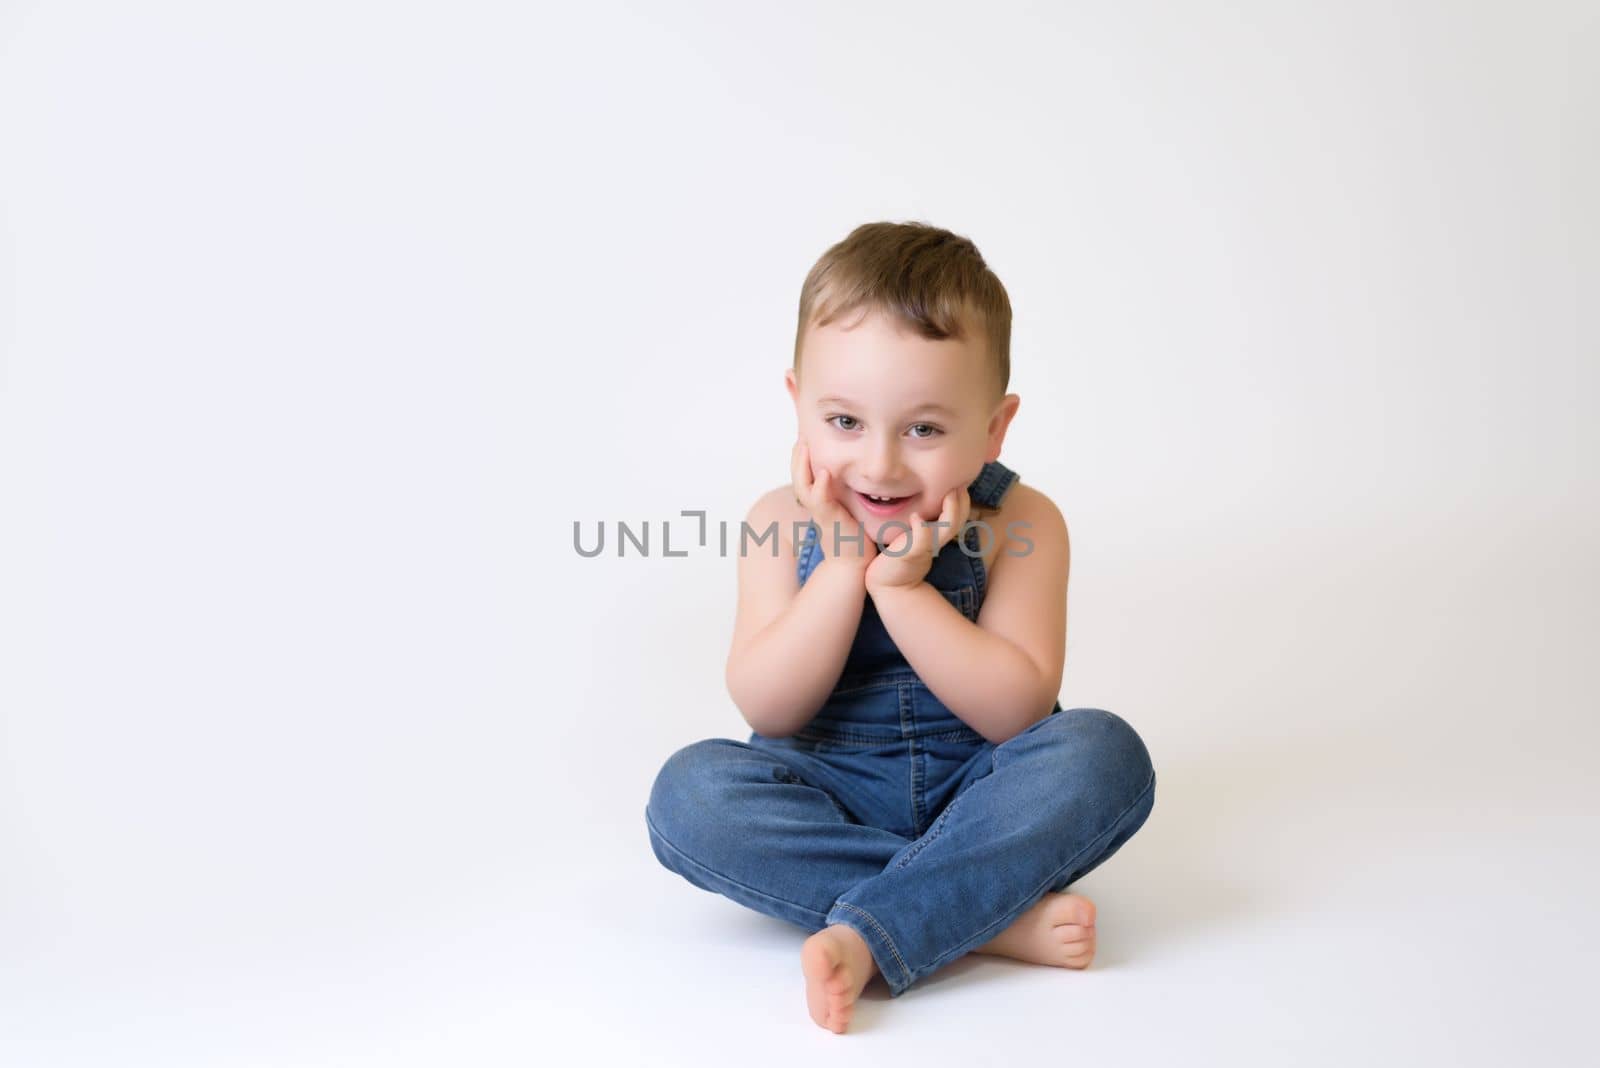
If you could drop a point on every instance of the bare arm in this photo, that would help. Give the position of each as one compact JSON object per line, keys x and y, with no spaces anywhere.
{"x":988,"y":681}
{"x":790,"y":641}
{"x":1002,"y":674}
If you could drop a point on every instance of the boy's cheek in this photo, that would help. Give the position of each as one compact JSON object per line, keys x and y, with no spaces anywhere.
{"x":822,"y":461}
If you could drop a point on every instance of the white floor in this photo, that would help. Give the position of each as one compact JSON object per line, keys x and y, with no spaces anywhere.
{"x":1373,"y":839}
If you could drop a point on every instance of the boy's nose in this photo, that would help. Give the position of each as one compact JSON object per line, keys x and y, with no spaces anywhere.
{"x":883,"y":465}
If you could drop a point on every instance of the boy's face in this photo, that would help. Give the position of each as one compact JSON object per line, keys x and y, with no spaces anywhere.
{"x":891,"y":413}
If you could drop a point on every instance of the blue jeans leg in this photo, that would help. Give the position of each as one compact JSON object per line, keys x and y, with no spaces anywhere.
{"x":1056,"y":801}
{"x":741,"y":822}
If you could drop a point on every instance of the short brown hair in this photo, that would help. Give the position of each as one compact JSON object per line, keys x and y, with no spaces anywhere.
{"x":928,"y":279}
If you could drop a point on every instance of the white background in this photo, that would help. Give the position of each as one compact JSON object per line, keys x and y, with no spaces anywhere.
{"x":323,"y":322}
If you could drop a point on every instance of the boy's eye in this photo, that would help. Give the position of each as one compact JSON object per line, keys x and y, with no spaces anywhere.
{"x":850,"y":422}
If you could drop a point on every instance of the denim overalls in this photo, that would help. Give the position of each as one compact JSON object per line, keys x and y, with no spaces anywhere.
{"x":889,"y":814}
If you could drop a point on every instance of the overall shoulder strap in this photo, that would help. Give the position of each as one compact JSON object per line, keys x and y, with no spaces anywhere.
{"x":991,"y":484}
{"x":809,"y":554}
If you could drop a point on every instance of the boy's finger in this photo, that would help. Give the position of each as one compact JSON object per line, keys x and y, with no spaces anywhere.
{"x":946,"y":517}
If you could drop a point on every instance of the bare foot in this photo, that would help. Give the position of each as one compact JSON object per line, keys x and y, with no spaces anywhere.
{"x":837,"y":964}
{"x":1057,"y":930}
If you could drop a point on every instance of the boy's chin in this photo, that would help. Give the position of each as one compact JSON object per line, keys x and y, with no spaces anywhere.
{"x":884,"y":530}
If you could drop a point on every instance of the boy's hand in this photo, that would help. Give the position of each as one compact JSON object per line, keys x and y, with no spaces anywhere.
{"x":898,"y":566}
{"x":815,"y":493}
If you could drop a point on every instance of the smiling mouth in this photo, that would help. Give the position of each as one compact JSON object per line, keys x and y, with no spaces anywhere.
{"x":882,"y":506}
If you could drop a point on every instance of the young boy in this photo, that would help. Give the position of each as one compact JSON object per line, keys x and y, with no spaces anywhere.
{"x":911,"y":790}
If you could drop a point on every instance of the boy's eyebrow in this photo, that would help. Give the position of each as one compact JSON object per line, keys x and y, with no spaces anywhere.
{"x":930,"y":407}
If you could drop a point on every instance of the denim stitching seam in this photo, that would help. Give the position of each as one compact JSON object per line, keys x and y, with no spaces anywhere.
{"x":844,"y":737}
{"x":955,"y":734}
{"x":908,"y":727}
{"x":932,"y":833}
{"x":881,"y":933}
{"x":750,"y":889}
{"x":1045,"y":886}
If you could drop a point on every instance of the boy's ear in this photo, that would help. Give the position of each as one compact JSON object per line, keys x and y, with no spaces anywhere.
{"x":999,"y":422}
{"x":791,"y":385}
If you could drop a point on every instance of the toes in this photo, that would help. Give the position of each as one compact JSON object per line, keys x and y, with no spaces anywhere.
{"x":1077,"y":945}
{"x":1079,"y":955}
{"x":1070,"y":933}
{"x":1072,"y":909}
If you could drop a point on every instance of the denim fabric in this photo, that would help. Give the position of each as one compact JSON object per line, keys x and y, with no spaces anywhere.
{"x":890,"y":815}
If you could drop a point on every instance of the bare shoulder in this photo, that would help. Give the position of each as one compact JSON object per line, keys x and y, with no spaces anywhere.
{"x":1027,"y":598}
{"x":778,"y":506}
{"x":1028,"y":522}
{"x":1026,"y":502}
{"x":766,"y":565}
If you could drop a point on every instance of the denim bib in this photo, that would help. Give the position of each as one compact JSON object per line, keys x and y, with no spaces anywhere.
{"x":879,"y":697}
